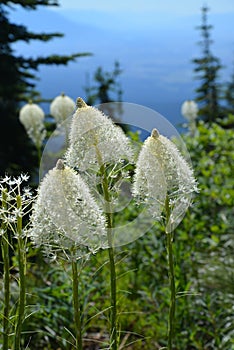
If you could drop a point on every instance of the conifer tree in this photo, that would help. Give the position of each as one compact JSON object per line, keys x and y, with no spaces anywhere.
{"x":229,"y":94}
{"x":17,"y":75}
{"x":106,"y":84}
{"x":207,"y":68}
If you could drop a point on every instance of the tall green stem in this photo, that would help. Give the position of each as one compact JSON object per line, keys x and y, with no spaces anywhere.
{"x":113,"y":310}
{"x":171,"y":316}
{"x":6,"y":277}
{"x":113,"y":314}
{"x":39,"y":155}
{"x":22,"y":271}
{"x":76,"y":305}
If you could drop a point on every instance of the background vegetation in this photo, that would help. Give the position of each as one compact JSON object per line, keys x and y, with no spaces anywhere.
{"x":204,"y":242}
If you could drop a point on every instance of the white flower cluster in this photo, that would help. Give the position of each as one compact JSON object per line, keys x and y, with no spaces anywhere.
{"x":189,"y":110}
{"x":15,"y":200}
{"x":95,"y":140}
{"x":65,"y":215}
{"x":61,"y":108}
{"x":161,"y":173}
{"x":32,"y":118}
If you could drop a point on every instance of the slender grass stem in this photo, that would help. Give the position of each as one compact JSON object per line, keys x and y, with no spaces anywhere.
{"x":22,"y":270}
{"x":76,"y":305}
{"x":6,"y":277}
{"x":113,"y":310}
{"x":113,"y":314}
{"x":171,"y":315}
{"x":39,"y":155}
{"x":171,"y":319}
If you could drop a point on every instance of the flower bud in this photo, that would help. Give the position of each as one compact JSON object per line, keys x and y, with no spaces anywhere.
{"x":61,"y":108}
{"x":32,"y":118}
{"x":189,"y":110}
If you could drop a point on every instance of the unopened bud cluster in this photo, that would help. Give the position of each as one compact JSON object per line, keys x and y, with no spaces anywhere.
{"x":61,"y":108}
{"x":32,"y":118}
{"x":189,"y":110}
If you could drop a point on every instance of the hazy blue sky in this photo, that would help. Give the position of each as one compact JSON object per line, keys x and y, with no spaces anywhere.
{"x":180,"y":7}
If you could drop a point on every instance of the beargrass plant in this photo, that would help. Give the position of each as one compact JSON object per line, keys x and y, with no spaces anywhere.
{"x":164,"y":182}
{"x":15,"y":207}
{"x":101,"y":152}
{"x":74,"y":213}
{"x":68,"y":224}
{"x":32,"y":117}
{"x":61,"y":108}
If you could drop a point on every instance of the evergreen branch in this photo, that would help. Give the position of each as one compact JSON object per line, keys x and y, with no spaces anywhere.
{"x":30,"y":4}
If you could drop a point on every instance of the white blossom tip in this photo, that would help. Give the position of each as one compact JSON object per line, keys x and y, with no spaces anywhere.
{"x":155,"y":134}
{"x":60,"y":165}
{"x":80,"y":103}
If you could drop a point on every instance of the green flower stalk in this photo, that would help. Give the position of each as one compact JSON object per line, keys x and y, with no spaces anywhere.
{"x":96,"y":146}
{"x":22,"y":271}
{"x":6,"y":275}
{"x":68,"y":224}
{"x":165,"y":183}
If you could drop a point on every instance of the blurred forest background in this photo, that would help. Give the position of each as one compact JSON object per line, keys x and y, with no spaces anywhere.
{"x":204,"y":243}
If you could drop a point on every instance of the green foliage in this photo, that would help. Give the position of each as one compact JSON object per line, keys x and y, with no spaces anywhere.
{"x":203,"y":250}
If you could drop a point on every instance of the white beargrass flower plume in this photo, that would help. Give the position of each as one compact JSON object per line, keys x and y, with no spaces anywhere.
{"x":65,"y":216}
{"x":32,"y":117}
{"x":95,"y":140}
{"x":163,"y":174}
{"x":189,"y":110}
{"x":61,"y":108}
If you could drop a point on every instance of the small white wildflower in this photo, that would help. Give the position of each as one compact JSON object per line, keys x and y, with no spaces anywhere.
{"x":27,"y":193}
{"x":65,"y":214}
{"x":95,"y":140}
{"x":5,"y":179}
{"x":61,"y":108}
{"x":189,"y":110}
{"x":16,"y":201}
{"x":32,"y":118}
{"x":24,"y":177}
{"x":162,"y":172}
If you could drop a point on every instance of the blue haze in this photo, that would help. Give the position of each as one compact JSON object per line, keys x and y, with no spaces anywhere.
{"x":154,"y":49}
